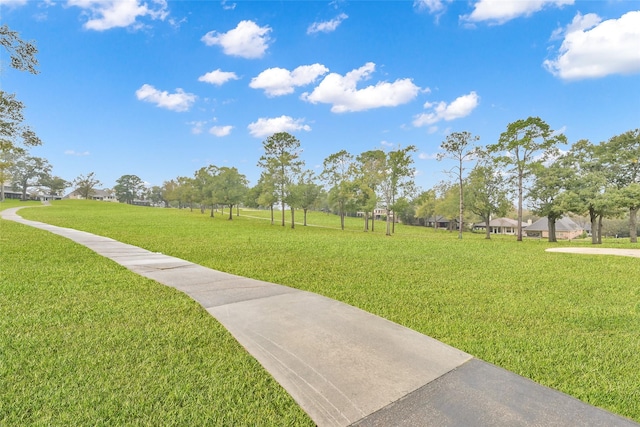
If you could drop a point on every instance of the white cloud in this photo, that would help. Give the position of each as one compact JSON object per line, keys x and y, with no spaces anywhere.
{"x":425,"y":156}
{"x":435,"y":7}
{"x":593,"y":48}
{"x":220,"y":131}
{"x":279,"y":81}
{"x":107,"y":14}
{"x":76,"y":153}
{"x":501,"y":11}
{"x":247,"y":40}
{"x":341,"y":91}
{"x":218,"y":77}
{"x":197,"y":126}
{"x":326,"y":26}
{"x":460,"y":107}
{"x":266,"y":127}
{"x":13,"y":3}
{"x":386,"y":143}
{"x":227,"y":6}
{"x":178,"y":101}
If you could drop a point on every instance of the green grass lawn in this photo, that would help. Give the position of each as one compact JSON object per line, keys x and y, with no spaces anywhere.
{"x":571,"y":322}
{"x":84,"y":341}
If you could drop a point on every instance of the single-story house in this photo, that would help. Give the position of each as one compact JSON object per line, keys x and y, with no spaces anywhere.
{"x":104,"y":195}
{"x":566,"y":228}
{"x":506,"y":226}
{"x":439,"y":221}
{"x":10,"y":193}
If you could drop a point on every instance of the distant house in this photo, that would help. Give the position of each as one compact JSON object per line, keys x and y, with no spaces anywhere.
{"x":566,"y":228}
{"x":103,"y":195}
{"x":10,"y":193}
{"x":506,"y":226}
{"x":439,"y":221}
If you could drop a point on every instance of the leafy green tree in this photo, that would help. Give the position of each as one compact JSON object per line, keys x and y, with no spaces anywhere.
{"x":128,"y":188}
{"x":447,"y":204}
{"x":308,"y":193}
{"x":339,"y":173}
{"x":27,"y":172}
{"x":620,"y":157}
{"x":186,"y":192}
{"x":369,"y":174}
{"x":457,"y":146}
{"x":487,"y":194}
{"x":230,"y":187}
{"x":520,"y":148}
{"x":156,"y":196}
{"x":204,"y":183}
{"x":22,"y":53}
{"x":85,"y":185}
{"x":547,"y":194}
{"x":397,"y":180}
{"x":425,"y":205}
{"x":588,"y":192}
{"x":281,"y":160}
{"x":169,"y":192}
{"x":54,"y":184}
{"x":267,"y":197}
{"x":15,"y":137}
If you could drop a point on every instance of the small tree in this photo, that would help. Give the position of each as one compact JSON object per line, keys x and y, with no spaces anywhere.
{"x":27,"y":172}
{"x":54,"y":184}
{"x":487,"y":194}
{"x":458,"y":147}
{"x":128,"y":188}
{"x":547,"y":194}
{"x":281,"y":160}
{"x":520,"y":148}
{"x":338,"y":173}
{"x":308,"y":193}
{"x":85,"y":185}
{"x":230,"y":188}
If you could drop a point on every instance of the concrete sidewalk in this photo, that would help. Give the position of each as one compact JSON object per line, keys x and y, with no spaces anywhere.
{"x":345,"y":366}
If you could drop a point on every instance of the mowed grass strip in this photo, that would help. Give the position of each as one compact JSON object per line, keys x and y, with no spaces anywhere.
{"x":571,"y":322}
{"x":84,"y":341}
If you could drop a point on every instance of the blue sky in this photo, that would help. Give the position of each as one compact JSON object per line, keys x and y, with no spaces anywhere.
{"x":161,"y":88}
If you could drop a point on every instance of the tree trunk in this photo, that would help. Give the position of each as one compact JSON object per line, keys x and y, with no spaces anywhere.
{"x":201,"y":208}
{"x":600,"y":230}
{"x":594,"y":227}
{"x":305,"y":217}
{"x":282,"y":206}
{"x":271,"y":207}
{"x":342,"y":220}
{"x":551,"y":221}
{"x":293,"y":223}
{"x":633,"y":224}
{"x":520,"y":197}
{"x":366,"y":221}
{"x":487,"y":220}
{"x":238,"y":209}
{"x":461,"y":223}
{"x":230,"y":211}
{"x":373,"y":221}
{"x":211,"y":211}
{"x":388,"y":223}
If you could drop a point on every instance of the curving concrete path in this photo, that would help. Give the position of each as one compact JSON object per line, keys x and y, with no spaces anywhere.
{"x":345,"y":366}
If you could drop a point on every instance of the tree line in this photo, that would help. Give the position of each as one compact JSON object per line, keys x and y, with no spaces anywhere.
{"x":595,"y":180}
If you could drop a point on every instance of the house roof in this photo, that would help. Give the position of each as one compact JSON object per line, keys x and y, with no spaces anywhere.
{"x":563,"y":224}
{"x":500,"y":222}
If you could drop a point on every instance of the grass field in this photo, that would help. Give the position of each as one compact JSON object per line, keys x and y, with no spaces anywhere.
{"x":571,"y":322}
{"x":84,"y":341}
